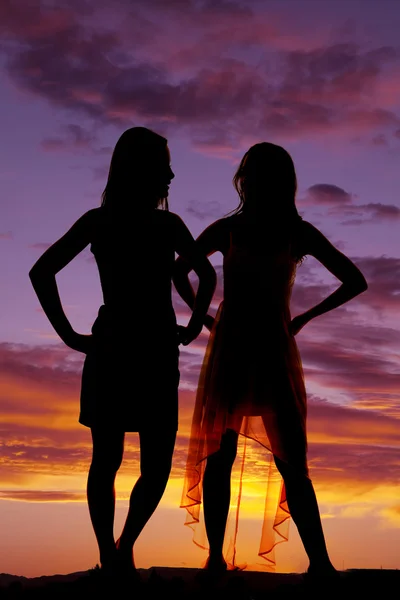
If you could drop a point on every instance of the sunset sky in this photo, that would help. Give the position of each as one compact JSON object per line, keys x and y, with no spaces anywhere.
{"x":321,"y":78}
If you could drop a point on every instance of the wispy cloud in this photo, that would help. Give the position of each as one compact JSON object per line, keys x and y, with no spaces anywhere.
{"x":232,"y":79}
{"x":342,"y":205}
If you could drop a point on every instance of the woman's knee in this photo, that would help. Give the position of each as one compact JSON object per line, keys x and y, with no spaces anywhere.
{"x":156,"y":467}
{"x":157,"y":476}
{"x":108,"y":451}
{"x":106,"y":464}
{"x":156,"y":454}
{"x":106,"y":459}
{"x":296,"y":471}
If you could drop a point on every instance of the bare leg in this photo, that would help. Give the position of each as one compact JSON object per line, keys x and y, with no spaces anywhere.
{"x":156,"y":451}
{"x":304,"y":509}
{"x":107,"y":456}
{"x":217,"y":496}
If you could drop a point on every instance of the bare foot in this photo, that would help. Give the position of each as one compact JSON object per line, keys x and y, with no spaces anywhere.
{"x":321,"y":567}
{"x":108,"y":562}
{"x":322,"y":571}
{"x":125,"y":561}
{"x":216,"y":565}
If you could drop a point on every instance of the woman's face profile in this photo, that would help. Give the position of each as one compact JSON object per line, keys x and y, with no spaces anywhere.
{"x":162,"y":174}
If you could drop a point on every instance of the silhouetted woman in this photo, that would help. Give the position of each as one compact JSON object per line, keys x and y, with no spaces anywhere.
{"x":130,"y":376}
{"x":251,"y":383}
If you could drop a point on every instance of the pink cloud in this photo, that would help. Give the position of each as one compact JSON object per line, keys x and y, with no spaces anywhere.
{"x":358,"y":443}
{"x":341,"y":204}
{"x":359,"y":467}
{"x":30,"y":21}
{"x":383,"y":275}
{"x":326,"y":193}
{"x":379,"y":211}
{"x":123,"y":75}
{"x":42,"y":496}
{"x":379,"y":140}
{"x":75,"y":138}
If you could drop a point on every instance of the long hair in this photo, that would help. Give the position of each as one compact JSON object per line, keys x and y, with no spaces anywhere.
{"x":267,"y":184}
{"x":133,"y":167}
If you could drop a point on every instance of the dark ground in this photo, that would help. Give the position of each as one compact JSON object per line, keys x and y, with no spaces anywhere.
{"x":182,"y":584}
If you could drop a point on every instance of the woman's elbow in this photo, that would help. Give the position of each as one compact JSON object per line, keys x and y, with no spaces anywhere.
{"x":180,"y":270}
{"x":359,"y":284}
{"x":33,"y":274}
{"x":363,"y":284}
{"x":211,"y":274}
{"x":39,"y":273}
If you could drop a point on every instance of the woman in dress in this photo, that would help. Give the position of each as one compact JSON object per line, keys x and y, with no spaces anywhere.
{"x":251,"y":383}
{"x":130,"y":375}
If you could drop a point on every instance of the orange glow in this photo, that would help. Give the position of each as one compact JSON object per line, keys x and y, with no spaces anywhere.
{"x":46,"y":455}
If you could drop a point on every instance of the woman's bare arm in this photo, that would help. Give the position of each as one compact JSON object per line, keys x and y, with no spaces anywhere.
{"x":43,"y":277}
{"x":353,"y":281}
{"x":191,"y":257}
{"x":211,"y":240}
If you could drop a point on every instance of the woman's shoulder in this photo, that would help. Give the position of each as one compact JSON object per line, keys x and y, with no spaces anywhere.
{"x":94,"y":215}
{"x":96,"y":223}
{"x":99,"y":219}
{"x":306,"y":232}
{"x":170,"y":225}
{"x":89,"y":219}
{"x":169,"y":217}
{"x":169,"y":221}
{"x":224,"y":225}
{"x":306,"y":227}
{"x":218,"y":234}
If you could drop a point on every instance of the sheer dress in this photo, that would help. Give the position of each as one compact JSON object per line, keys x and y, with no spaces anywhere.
{"x":251,"y":381}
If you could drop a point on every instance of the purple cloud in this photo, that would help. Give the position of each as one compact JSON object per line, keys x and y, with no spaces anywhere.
{"x":114,"y":75}
{"x":75,"y":138}
{"x":327,"y":193}
{"x":341,"y":204}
